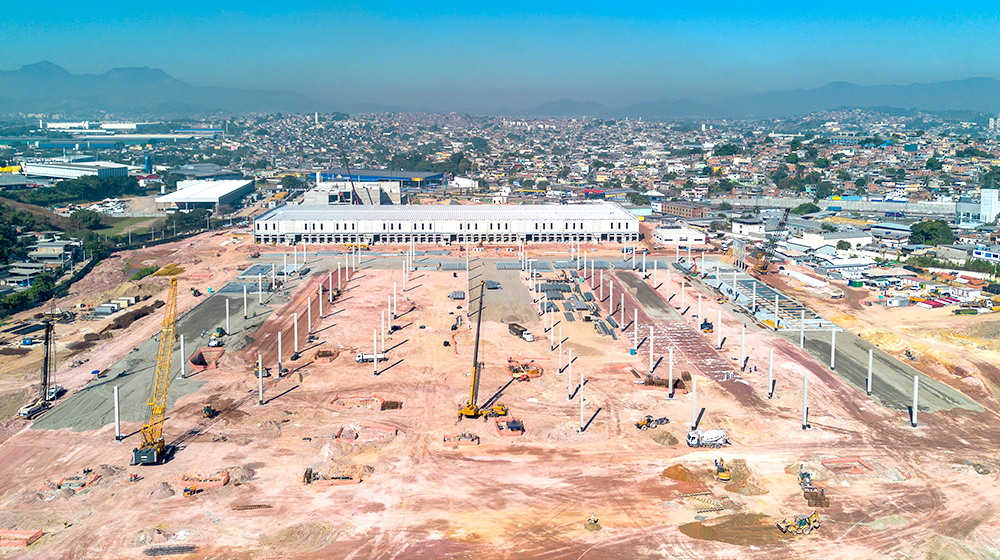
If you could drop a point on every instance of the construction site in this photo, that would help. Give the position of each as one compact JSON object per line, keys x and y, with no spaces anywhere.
{"x":519,"y":401}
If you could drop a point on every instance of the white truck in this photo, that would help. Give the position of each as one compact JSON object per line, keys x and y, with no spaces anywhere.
{"x":520,"y":332}
{"x":709,"y":438}
{"x":369,"y":358}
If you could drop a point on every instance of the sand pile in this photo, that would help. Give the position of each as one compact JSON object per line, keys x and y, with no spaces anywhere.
{"x":301,"y":536}
{"x":161,"y":491}
{"x":271,"y":428}
{"x":680,"y":473}
{"x":744,"y":529}
{"x":745,"y":480}
{"x":241,"y":474}
{"x":665,"y":438}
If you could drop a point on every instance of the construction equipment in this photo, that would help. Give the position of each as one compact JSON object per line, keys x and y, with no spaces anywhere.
{"x":471,"y":408}
{"x":766,"y":253}
{"x":523,"y":372}
{"x":520,"y":332}
{"x":208,"y":412}
{"x":361,"y":246}
{"x":800,"y":524}
{"x":255,"y":255}
{"x":707,"y":327}
{"x":195,"y":292}
{"x":722,"y":472}
{"x":362,"y":358}
{"x":45,"y":393}
{"x":805,"y":479}
{"x":709,"y":438}
{"x":649,"y":422}
{"x":153,"y":450}
{"x":190,"y":491}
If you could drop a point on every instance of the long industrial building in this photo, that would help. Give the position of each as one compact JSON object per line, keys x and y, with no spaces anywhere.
{"x":56,"y":170}
{"x":205,"y":194}
{"x":493,"y":223}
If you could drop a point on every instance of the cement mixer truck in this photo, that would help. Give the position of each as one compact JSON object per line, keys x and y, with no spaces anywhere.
{"x":709,"y":438}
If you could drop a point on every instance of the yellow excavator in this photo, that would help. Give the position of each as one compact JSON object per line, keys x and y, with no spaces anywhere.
{"x":153,"y":450}
{"x":722,"y":472}
{"x":471,"y":409}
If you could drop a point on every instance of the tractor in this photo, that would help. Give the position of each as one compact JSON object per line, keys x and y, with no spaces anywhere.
{"x":800,"y":524}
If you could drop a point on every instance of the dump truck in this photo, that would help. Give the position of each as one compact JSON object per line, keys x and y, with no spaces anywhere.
{"x":520,"y":332}
{"x":362,"y":358}
{"x":709,"y":438}
{"x":707,"y":327}
{"x":649,"y":422}
{"x":800,"y":524}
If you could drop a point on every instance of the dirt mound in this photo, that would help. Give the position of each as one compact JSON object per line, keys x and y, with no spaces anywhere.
{"x":29,"y":497}
{"x":108,"y":470}
{"x":665,"y":438}
{"x":241,"y":474}
{"x":985,"y":329}
{"x":302,"y":536}
{"x":14,"y":351}
{"x":230,"y":360}
{"x":745,"y":529}
{"x":147,"y":536}
{"x":271,"y":428}
{"x":162,"y":491}
{"x":680,"y":472}
{"x":592,"y":527}
{"x":744,"y":480}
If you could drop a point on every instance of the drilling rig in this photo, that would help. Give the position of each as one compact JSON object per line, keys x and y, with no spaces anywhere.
{"x":471,"y":409}
{"x":153,"y":450}
{"x":767,"y":251}
{"x":46,"y":393}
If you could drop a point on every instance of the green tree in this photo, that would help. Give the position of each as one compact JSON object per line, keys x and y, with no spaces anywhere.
{"x":822,"y":163}
{"x":805,"y":208}
{"x":792,"y":158}
{"x":726,"y":150}
{"x":85,"y":219}
{"x":931,"y":232}
{"x":843,"y":245}
{"x":843,"y":175}
{"x":291,"y":182}
{"x":638,"y":199}
{"x":726,"y":205}
{"x":933,"y":164}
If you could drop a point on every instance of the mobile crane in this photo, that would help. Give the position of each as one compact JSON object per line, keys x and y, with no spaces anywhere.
{"x":153,"y":450}
{"x":767,"y":252}
{"x":471,"y":409}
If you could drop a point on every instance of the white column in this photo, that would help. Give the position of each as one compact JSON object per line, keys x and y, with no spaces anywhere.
{"x":228,"y":330}
{"x":916,"y":389}
{"x":833,"y":347}
{"x":260,"y":290}
{"x":183,"y":359}
{"x":777,"y":319}
{"x":668,"y":281}
{"x":330,"y":281}
{"x":284,"y":269}
{"x":394,"y":299}
{"x":260,"y":379}
{"x":582,"y":381}
{"x":743,"y":337}
{"x":295,"y":331}
{"x":770,"y":372}
{"x":651,"y":348}
{"x":805,"y":402}
{"x":655,"y":262}
{"x":309,"y":316}
{"x":338,"y":280}
{"x":718,"y":330}
{"x":375,"y":351}
{"x":244,"y":302}
{"x":694,"y":402}
{"x":560,"y":348}
{"x":319,"y":298}
{"x":383,"y":331}
{"x":118,"y":424}
{"x":802,"y":330}
{"x":569,"y":375}
{"x":621,"y":307}
{"x":753,"y":298}
{"x":670,"y":371}
{"x":868,"y":384}
{"x":682,"y":296}
{"x":280,"y":369}
{"x":644,"y":263}
{"x":700,"y":318}
{"x":635,"y":328}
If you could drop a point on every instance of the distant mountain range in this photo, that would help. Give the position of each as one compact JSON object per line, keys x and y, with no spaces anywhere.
{"x":974,"y":94}
{"x":148,"y":92}
{"x":48,"y":88}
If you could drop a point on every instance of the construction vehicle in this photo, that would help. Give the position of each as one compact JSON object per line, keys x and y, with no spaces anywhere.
{"x":208,"y":412}
{"x":722,"y":472}
{"x":267,"y":370}
{"x":523,"y":372}
{"x":153,"y":449}
{"x":805,"y":479}
{"x":800,"y":524}
{"x":707,"y":327}
{"x":520,"y":332}
{"x":45,"y":393}
{"x":361,"y":246}
{"x":195,"y":292}
{"x":709,"y":438}
{"x":649,"y":422}
{"x":766,"y":252}
{"x":471,"y":408}
{"x":369,"y":358}
{"x":190,"y":491}
{"x":255,"y":255}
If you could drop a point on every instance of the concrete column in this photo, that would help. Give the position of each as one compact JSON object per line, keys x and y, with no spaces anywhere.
{"x":330,"y":281}
{"x":694,"y":403}
{"x":383,"y":331}
{"x":260,"y":380}
{"x":560,"y":348}
{"x":621,"y":317}
{"x":651,"y":349}
{"x":743,"y":339}
{"x":309,"y":316}
{"x":338,"y":280}
{"x":260,"y":290}
{"x":916,"y":389}
{"x":295,"y":331}
{"x":394,"y":299}
{"x":805,"y":402}
{"x":244,"y":302}
{"x":284,"y":270}
{"x":718,"y":330}
{"x":700,"y":318}
{"x":833,"y":347}
{"x":753,"y":298}
{"x":569,"y":376}
{"x":228,"y":330}
{"x":272,"y":276}
{"x":644,"y":263}
{"x":183,"y":359}
{"x":582,"y":381}
{"x":611,"y":296}
{"x":592,"y":274}
{"x":388,"y":308}
{"x":602,"y":287}
{"x":682,"y":297}
{"x":655,"y":262}
{"x":552,"y":326}
{"x":868,"y":383}
{"x":770,"y":372}
{"x":374,"y":351}
{"x":668,"y":281}
{"x":118,"y":424}
{"x":635,"y":328}
{"x":777,"y":319}
{"x":670,"y":371}
{"x":319,"y":298}
{"x":280,"y":368}
{"x":802,"y":330}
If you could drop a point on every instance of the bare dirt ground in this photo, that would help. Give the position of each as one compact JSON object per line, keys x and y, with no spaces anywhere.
{"x":928,"y":492}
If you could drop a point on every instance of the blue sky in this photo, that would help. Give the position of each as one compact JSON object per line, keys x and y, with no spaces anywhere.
{"x":477,"y":56}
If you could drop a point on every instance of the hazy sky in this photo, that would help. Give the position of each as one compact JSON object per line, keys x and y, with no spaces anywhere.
{"x":472,"y":55}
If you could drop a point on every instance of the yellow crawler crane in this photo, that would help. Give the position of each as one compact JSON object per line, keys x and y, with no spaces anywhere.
{"x":471,"y":409}
{"x":153,"y":449}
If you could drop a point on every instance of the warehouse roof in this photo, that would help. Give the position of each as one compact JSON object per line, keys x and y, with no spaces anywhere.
{"x":204,"y":191}
{"x":472,"y":212}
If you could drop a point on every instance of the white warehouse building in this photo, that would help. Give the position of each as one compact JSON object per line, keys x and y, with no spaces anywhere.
{"x":491,"y":223}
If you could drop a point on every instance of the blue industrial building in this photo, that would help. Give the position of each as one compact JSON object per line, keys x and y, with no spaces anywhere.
{"x":407,"y":179}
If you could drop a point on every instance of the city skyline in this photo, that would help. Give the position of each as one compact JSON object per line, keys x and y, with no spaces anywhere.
{"x":474,"y":58}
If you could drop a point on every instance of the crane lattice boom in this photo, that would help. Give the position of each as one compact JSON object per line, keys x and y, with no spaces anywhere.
{"x":152,"y":432}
